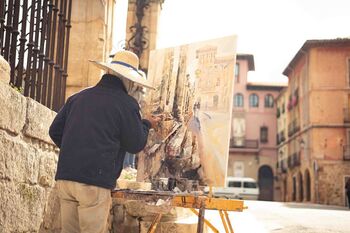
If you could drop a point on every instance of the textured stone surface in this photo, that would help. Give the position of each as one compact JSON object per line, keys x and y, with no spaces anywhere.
{"x":19,"y":161}
{"x":38,"y":121}
{"x":12,"y":109}
{"x":4,"y":71}
{"x":47,"y":168}
{"x":51,"y":217}
{"x":21,"y":207}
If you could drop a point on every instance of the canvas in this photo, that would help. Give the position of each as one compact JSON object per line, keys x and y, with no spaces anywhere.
{"x":194,"y":95}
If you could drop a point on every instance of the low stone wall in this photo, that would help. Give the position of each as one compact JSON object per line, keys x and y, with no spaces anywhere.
{"x":28,"y":161}
{"x":331,"y":177}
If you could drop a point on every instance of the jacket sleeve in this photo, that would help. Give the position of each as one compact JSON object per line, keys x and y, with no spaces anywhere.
{"x":134,"y":131}
{"x":57,"y":126}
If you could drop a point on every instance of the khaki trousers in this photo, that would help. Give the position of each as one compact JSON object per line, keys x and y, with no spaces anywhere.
{"x":84,"y":208}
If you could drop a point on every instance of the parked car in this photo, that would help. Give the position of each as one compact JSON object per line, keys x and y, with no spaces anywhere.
{"x":237,"y":188}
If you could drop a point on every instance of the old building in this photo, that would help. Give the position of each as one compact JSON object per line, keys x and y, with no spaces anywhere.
{"x":253,"y":150}
{"x":93,"y":33}
{"x":313,"y":124}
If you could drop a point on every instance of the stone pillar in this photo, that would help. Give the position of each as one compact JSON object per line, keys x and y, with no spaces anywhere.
{"x":149,"y":21}
{"x":90,"y":39}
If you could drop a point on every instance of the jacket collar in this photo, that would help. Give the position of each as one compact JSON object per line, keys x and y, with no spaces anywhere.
{"x":111,"y":81}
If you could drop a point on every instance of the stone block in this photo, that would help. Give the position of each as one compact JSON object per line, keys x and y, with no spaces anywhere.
{"x":12,"y":109}
{"x":51,"y":217}
{"x":21,"y":207}
{"x":47,"y":168}
{"x":19,"y":161}
{"x":38,"y":121}
{"x":4,"y":71}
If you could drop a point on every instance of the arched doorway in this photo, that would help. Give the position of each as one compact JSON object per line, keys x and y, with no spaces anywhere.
{"x":265,"y":180}
{"x":307,"y":185}
{"x":294,"y":191}
{"x":301,"y":187}
{"x":285,"y":190}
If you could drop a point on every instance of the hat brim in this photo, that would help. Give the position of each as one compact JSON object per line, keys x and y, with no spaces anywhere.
{"x":124,"y":72}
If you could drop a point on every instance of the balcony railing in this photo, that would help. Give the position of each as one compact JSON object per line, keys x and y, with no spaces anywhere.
{"x":293,"y":127}
{"x":280,"y":137}
{"x":346,"y":152}
{"x":282,"y":166}
{"x":294,"y":160}
{"x":346,"y":115}
{"x":241,"y":142}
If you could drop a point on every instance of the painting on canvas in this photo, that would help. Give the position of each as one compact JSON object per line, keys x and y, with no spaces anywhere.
{"x":193,"y":96}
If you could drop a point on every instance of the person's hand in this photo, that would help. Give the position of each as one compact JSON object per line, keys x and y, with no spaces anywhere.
{"x":155,"y":119}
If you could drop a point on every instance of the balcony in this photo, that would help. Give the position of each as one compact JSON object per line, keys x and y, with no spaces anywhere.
{"x":242,"y":142}
{"x":346,"y":115}
{"x":296,"y":126}
{"x":346,"y":153}
{"x":294,"y":160}
{"x":278,"y":114}
{"x":281,"y":166}
{"x":293,"y":127}
{"x":290,"y":130}
{"x":280,"y":137}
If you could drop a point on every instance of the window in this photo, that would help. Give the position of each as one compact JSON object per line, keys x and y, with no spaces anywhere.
{"x":249,"y":185}
{"x":238,"y":100}
{"x":235,"y":184}
{"x":254,"y":100}
{"x":263,"y":134}
{"x":269,"y":101}
{"x":237,"y":73}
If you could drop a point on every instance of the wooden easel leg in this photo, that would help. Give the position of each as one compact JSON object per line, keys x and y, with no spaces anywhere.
{"x":206,"y":221}
{"x":154,"y":224}
{"x":200,"y":220}
{"x":228,"y":221}
{"x":223,"y":221}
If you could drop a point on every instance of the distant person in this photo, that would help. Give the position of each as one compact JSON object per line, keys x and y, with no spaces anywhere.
{"x":94,"y":130}
{"x":347,"y":188}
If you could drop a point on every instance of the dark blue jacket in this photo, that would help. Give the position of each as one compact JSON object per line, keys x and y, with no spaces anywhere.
{"x":94,"y":129}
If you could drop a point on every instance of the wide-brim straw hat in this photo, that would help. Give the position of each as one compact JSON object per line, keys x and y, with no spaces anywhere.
{"x":125,"y":64}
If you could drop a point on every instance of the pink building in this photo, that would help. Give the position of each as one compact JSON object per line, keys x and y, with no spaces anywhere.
{"x":253,"y":151}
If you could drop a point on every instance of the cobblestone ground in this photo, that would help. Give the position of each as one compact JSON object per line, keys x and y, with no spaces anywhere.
{"x":277,"y":217}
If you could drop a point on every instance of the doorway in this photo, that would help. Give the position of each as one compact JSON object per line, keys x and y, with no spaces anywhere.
{"x":307,"y":185}
{"x":301,"y":187}
{"x":346,"y":178}
{"x":265,"y":180}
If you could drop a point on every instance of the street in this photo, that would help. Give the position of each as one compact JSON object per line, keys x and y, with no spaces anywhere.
{"x":278,"y":217}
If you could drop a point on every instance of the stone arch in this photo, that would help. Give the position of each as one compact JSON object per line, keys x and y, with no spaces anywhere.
{"x":307,"y":178}
{"x":300,"y":187}
{"x":265,"y":180}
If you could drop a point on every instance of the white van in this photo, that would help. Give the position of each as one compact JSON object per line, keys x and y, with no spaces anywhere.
{"x":237,"y":188}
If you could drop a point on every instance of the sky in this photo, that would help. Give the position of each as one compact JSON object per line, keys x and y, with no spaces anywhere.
{"x":271,"y":30}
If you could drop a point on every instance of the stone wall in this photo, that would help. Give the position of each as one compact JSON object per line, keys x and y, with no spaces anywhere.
{"x":331,"y":176}
{"x":28,"y":161}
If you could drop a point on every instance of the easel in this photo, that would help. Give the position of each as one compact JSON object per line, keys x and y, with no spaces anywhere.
{"x":191,"y":201}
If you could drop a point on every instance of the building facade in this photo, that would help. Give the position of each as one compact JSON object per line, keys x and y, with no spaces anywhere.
{"x":314,"y":124}
{"x":253,"y":151}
